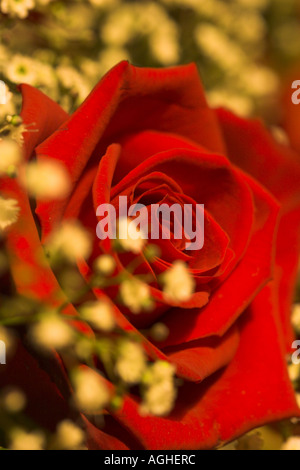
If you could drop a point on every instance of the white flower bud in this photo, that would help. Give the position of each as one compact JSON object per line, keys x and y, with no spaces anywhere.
{"x":14,"y":400}
{"x":52,"y":332}
{"x":296,"y":317}
{"x":17,"y":8}
{"x":99,"y":315}
{"x":159,"y":389}
{"x":131,"y":362}
{"x":293,"y":443}
{"x":71,"y":241}
{"x":105,"y":265}
{"x":69,"y":436}
{"x":179,"y":284}
{"x":47,"y":179}
{"x":91,"y":395}
{"x":9,"y":213}
{"x":24,"y":440}
{"x":136,"y":295}
{"x":130,"y":238}
{"x":10,"y":155}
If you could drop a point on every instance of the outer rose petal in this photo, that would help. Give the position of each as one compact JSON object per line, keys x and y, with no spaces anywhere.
{"x":250,"y":147}
{"x":42,"y":116}
{"x":29,"y":267}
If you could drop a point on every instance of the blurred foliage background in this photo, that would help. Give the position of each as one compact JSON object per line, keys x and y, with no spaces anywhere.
{"x":63,"y":47}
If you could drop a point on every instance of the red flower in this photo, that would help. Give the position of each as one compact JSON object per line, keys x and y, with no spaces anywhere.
{"x":151,"y":131}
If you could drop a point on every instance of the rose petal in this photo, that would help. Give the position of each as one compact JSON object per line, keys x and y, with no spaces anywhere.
{"x":278,"y":169}
{"x":41,"y":115}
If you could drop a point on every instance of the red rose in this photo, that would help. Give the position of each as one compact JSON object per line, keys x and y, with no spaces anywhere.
{"x":151,"y":131}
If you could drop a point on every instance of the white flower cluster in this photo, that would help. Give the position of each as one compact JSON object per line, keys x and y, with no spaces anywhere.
{"x":228,"y":39}
{"x":18,"y":8}
{"x":159,"y":389}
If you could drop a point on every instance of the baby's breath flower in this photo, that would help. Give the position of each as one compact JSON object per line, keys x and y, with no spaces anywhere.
{"x":159,"y":371}
{"x":52,"y":332}
{"x":159,"y":399}
{"x":71,"y":241}
{"x":13,"y":400}
{"x":10,"y":155}
{"x":99,"y":315}
{"x":22,"y":69}
{"x":164,"y":46}
{"x":159,"y":389}
{"x":73,"y":81}
{"x":111,"y":56}
{"x":294,"y":372}
{"x":105,"y":265}
{"x":130,"y":240}
{"x":91,"y":395}
{"x":5,"y":94}
{"x":9,"y":213}
{"x":216,"y":45}
{"x":296,"y":317}
{"x":118,"y":30}
{"x":136,"y":295}
{"x":69,"y":436}
{"x":8,"y":108}
{"x":19,"y":8}
{"x":131,"y":362}
{"x":179,"y":284}
{"x":259,"y":81}
{"x":24,"y":440}
{"x":47,"y":179}
{"x":45,"y":76}
{"x":293,"y":443}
